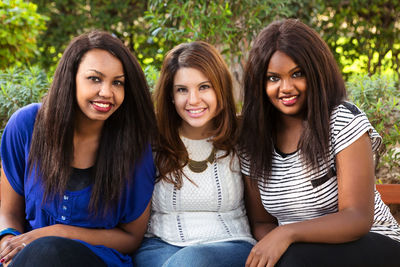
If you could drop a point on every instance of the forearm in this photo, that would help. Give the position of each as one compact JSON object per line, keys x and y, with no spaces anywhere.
{"x":259,"y":230}
{"x":115,"y":238}
{"x":10,"y":221}
{"x":339,"y":227}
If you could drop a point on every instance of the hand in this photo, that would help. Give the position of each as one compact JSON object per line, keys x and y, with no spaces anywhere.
{"x":14,"y":244}
{"x":269,"y":249}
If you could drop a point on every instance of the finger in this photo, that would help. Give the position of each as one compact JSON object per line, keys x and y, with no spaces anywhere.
{"x":271,"y":262}
{"x":262,"y":262}
{"x":249,"y":260}
{"x":7,"y":247}
{"x":11,"y":255}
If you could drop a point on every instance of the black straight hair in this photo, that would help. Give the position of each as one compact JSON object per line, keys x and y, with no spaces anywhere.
{"x":124,"y":137}
{"x":325,"y":90}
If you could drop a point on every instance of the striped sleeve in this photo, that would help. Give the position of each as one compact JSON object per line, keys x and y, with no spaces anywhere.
{"x":244,"y":163}
{"x":348,"y":123}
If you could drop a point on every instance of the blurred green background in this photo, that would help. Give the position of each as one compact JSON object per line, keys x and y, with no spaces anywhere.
{"x":364,"y":36}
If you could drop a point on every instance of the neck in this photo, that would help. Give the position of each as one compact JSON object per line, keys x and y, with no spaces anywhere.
{"x":195,"y":134}
{"x":87,"y":134}
{"x":287,"y":123}
{"x":87,"y":128}
{"x":288,"y":132}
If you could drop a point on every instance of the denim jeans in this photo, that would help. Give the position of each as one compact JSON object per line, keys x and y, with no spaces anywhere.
{"x":156,"y":253}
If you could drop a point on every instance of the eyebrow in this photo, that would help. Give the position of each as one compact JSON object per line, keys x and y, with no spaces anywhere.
{"x":101,"y":74}
{"x":291,"y":70}
{"x":179,"y":85}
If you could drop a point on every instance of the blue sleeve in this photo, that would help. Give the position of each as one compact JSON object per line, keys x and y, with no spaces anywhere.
{"x":141,"y":189}
{"x":15,"y":145}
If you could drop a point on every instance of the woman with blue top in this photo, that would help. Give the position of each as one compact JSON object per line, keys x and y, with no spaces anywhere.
{"x":77,"y":170}
{"x":308,"y":159}
{"x":198,"y":216}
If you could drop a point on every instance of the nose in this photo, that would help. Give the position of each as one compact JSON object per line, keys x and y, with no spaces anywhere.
{"x":105,"y":91}
{"x":286,"y":84}
{"x":194,"y":96}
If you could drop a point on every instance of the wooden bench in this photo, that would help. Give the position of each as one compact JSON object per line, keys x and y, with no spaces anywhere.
{"x":390,"y":193}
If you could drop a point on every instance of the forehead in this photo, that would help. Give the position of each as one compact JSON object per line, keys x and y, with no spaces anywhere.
{"x":99,"y":59}
{"x":189,"y":76}
{"x":280,"y":61}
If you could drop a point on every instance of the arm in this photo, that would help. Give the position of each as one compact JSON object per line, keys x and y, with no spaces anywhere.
{"x":355,"y":174}
{"x":125,"y":238}
{"x":11,"y":209}
{"x":261,"y":222}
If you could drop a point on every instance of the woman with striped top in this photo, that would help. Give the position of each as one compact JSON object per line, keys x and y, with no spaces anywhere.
{"x":308,"y":159}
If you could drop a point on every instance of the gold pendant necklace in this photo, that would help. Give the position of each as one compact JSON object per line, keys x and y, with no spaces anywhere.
{"x":200,"y":166}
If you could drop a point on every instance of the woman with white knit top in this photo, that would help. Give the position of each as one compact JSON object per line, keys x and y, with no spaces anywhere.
{"x":198,"y":216}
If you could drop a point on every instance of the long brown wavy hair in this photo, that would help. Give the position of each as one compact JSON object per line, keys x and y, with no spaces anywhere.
{"x":325,"y":90}
{"x":124,"y":137}
{"x":171,"y":154}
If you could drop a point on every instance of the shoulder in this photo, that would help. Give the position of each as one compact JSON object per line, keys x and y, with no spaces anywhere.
{"x":345,"y":111}
{"x":348,"y":123}
{"x":21,"y":123}
{"x":24,"y":117}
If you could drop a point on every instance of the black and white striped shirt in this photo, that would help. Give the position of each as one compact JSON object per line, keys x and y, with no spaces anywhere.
{"x":295,"y":193}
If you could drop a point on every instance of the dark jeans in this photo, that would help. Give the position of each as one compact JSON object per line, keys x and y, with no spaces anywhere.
{"x":52,"y":251}
{"x":371,"y":250}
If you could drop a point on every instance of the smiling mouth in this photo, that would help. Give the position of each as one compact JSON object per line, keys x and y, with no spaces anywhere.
{"x":102,"y":107}
{"x":288,"y":101}
{"x":289,"y":98}
{"x":196,"y":111}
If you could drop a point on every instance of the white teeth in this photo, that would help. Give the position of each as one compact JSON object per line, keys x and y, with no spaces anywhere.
{"x":196,"y":111}
{"x":289,"y":98}
{"x":102,"y":105}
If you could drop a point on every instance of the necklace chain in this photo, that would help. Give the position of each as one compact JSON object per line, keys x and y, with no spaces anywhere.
{"x":200,"y":166}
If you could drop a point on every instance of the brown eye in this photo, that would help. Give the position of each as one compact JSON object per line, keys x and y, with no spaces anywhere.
{"x":94,"y":79}
{"x":204,"y":86}
{"x":298,"y":74}
{"x":272,"y":79}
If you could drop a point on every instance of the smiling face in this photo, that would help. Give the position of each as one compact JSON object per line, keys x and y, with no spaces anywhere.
{"x":195,"y":101}
{"x":99,"y":85}
{"x":286,"y":85}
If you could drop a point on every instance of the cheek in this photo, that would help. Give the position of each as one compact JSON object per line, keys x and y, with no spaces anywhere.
{"x":270,"y":91}
{"x":211,"y":98}
{"x":120,"y":96}
{"x":179,"y":101}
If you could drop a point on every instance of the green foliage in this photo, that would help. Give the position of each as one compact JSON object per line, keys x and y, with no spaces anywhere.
{"x":71,"y":18}
{"x":367,"y":32}
{"x":152,"y":74}
{"x":20,"y":25}
{"x":18,"y":88}
{"x":229,"y":25}
{"x":379,"y":98}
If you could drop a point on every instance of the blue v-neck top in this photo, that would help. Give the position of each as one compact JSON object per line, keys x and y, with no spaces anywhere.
{"x":72,"y":207}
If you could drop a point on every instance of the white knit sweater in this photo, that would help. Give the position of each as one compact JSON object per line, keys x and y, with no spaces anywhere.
{"x":211,"y":210}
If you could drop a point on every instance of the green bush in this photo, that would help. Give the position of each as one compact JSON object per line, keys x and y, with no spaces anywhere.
{"x":18,"y":88}
{"x":379,"y":98}
{"x":152,"y":74}
{"x":20,"y":26}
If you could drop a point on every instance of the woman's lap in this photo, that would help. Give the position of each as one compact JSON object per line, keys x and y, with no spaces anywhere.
{"x":155,"y":252}
{"x":56,"y":251}
{"x":370,"y":250}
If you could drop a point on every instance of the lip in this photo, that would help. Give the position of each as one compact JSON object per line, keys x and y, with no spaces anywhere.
{"x":289,"y":100}
{"x":196,"y":112}
{"x":102,"y":106}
